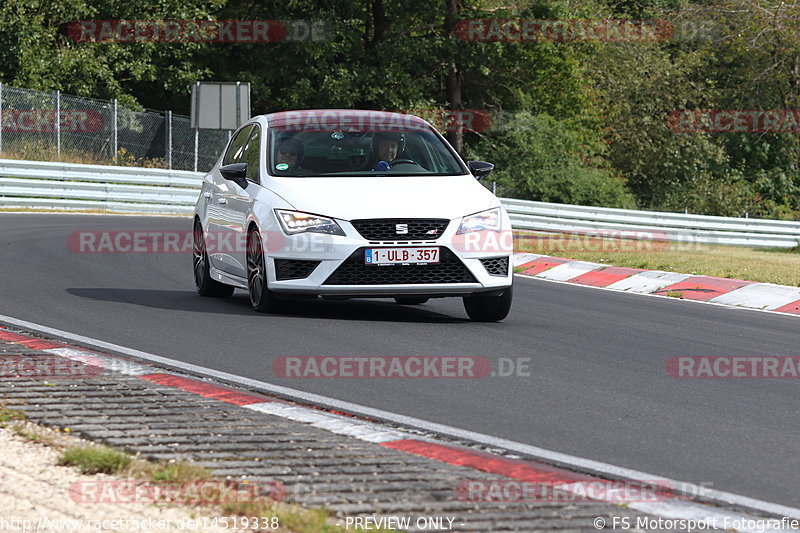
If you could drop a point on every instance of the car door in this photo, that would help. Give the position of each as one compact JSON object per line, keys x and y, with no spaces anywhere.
{"x":236,"y":203}
{"x":221,"y":219}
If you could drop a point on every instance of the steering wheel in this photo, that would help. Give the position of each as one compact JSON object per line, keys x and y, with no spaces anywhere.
{"x":403,"y":161}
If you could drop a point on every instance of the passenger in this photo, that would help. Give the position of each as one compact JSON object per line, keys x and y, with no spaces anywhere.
{"x":290,"y":153}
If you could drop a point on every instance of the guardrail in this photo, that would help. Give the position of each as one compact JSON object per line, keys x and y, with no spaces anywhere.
{"x":66,"y":186}
{"x":651,"y":225}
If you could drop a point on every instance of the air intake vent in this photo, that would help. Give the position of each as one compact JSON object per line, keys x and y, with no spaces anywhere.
{"x":401,"y":229}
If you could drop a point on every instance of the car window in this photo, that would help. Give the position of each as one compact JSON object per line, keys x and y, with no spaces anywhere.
{"x":234,"y":153}
{"x":316,"y":151}
{"x":251,"y":154}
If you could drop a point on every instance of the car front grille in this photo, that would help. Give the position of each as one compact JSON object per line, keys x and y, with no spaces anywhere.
{"x":412,"y":229}
{"x":354,"y":272}
{"x":286,"y":269}
{"x":496,"y":266}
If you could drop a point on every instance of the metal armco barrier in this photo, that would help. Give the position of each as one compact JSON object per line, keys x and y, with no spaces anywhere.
{"x":64,"y":186}
{"x":652,"y":225}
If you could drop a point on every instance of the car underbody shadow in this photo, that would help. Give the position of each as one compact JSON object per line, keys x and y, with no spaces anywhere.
{"x":366,"y":309}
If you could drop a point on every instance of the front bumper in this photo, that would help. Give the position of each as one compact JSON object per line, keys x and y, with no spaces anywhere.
{"x":341,"y":270}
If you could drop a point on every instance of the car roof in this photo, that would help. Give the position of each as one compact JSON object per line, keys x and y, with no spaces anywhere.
{"x":356,"y":118}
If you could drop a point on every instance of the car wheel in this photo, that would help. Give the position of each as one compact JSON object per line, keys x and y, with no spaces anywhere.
{"x":411,"y":300}
{"x":485,"y":308}
{"x":261,"y":298}
{"x":205,"y":285}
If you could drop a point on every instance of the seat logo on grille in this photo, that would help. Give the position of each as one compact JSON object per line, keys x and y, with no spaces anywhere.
{"x":401,"y":229}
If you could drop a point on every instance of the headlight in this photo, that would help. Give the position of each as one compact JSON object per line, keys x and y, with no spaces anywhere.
{"x":294,"y":222}
{"x":485,"y":220}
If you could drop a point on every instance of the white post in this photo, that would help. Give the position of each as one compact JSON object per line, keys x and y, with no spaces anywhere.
{"x":238,"y":105}
{"x":116,"y":127}
{"x":169,"y":139}
{"x":57,"y":119}
{"x":197,"y":121}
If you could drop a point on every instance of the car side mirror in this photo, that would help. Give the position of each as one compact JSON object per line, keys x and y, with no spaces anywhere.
{"x":235,"y":172}
{"x":480,"y":169}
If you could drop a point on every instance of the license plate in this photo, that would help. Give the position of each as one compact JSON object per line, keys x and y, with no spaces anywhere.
{"x":401,"y":256}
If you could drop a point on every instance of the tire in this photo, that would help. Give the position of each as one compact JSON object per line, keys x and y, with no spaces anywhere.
{"x":483,"y":308}
{"x":261,"y":298}
{"x":205,"y":285}
{"x":411,"y":300}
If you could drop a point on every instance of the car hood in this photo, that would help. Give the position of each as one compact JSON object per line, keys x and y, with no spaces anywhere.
{"x":349,"y":198}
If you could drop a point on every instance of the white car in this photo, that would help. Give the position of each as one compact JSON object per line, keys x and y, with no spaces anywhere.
{"x":343,"y":204}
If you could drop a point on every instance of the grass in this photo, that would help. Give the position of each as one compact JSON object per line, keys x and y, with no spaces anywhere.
{"x":45,"y":152}
{"x":31,"y":433}
{"x":94,"y":459}
{"x":8,"y":415}
{"x":97,"y":459}
{"x":781,"y":266}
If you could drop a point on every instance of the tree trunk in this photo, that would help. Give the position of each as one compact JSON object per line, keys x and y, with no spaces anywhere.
{"x":453,"y":82}
{"x":380,"y":23}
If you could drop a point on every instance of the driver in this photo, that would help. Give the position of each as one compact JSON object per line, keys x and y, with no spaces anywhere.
{"x":385,"y":149}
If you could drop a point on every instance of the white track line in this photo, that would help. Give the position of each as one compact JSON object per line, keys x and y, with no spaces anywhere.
{"x":559,"y":459}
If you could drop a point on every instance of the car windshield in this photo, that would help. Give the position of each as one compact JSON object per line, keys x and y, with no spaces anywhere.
{"x":317,"y":151}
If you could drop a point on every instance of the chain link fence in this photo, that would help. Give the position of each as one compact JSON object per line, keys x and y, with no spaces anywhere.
{"x":50,"y":126}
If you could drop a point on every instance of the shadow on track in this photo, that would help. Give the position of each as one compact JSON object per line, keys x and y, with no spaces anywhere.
{"x":177,"y":300}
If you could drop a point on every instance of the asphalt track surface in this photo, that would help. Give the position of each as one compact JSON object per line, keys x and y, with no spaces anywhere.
{"x":598,"y":386}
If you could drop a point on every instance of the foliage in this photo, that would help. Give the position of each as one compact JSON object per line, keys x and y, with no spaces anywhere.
{"x":588,"y":120}
{"x":554,"y":167}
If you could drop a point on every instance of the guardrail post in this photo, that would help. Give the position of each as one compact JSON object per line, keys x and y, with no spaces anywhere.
{"x":116,"y":128}
{"x":57,"y":120}
{"x":169,"y":140}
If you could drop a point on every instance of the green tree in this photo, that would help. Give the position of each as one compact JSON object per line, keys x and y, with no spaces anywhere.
{"x":541,"y":158}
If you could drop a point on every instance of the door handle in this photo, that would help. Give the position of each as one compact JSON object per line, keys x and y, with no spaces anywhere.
{"x":222,"y":201}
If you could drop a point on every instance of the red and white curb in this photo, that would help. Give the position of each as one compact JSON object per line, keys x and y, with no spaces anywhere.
{"x":674,"y":502}
{"x":723,"y":291}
